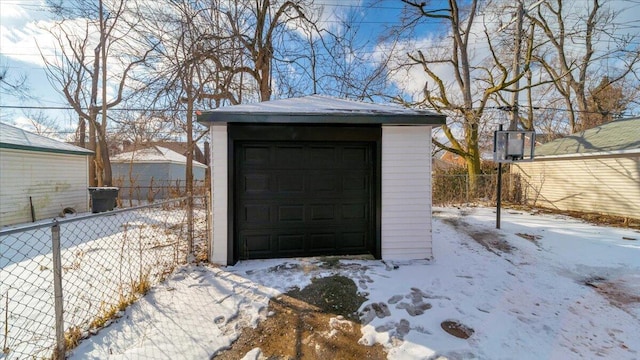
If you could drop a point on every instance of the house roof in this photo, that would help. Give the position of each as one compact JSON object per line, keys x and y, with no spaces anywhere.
{"x":177,"y":146}
{"x":615,"y":137}
{"x":316,"y":109}
{"x":12,"y":137}
{"x":153,"y":154}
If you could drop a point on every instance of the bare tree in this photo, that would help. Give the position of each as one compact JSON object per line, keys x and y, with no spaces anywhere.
{"x":330,"y":58}
{"x":252,"y":29}
{"x":12,"y":84}
{"x":475,"y":82}
{"x":570,"y":55}
{"x":96,"y":54}
{"x":185,"y":76}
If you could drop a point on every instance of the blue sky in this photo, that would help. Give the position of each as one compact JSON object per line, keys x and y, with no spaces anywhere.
{"x":21,"y":34}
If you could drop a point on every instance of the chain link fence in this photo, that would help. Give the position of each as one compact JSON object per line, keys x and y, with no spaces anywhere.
{"x":64,"y":279}
{"x":455,"y":189}
{"x":132,"y":192}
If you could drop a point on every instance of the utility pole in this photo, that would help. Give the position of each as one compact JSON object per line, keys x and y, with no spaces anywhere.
{"x":513,"y":124}
{"x":499,"y":189}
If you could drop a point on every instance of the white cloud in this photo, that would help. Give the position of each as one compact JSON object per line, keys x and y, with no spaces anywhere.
{"x":32,"y":125}
{"x":412,"y":79}
{"x":21,"y":43}
{"x":10,"y":10}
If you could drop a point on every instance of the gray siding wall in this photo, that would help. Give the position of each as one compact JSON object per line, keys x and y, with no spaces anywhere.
{"x":605,"y":185}
{"x":135,"y":179}
{"x":54,"y":182}
{"x":177,"y":171}
{"x":164,"y":175}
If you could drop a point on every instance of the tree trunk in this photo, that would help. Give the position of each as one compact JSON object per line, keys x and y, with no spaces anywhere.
{"x":473,"y":157}
{"x":473,"y":170}
{"x":82,"y":132}
{"x":106,"y":164}
{"x":92,"y":159}
{"x":189,"y":168}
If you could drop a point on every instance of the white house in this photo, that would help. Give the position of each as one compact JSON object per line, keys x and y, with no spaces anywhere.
{"x":318,"y":175}
{"x":40,"y":177}
{"x":595,"y":171}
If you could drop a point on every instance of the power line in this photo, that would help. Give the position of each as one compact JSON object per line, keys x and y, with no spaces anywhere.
{"x":502,"y":108}
{"x":32,"y":107}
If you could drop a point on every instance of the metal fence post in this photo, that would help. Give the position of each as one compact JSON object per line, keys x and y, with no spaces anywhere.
{"x":467,"y":187}
{"x":208,"y":233}
{"x":59,"y":352}
{"x":189,"y":225}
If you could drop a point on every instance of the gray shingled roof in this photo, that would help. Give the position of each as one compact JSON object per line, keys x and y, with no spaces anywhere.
{"x":316,"y":109}
{"x":12,"y":137}
{"x":153,"y":154}
{"x":616,"y":136}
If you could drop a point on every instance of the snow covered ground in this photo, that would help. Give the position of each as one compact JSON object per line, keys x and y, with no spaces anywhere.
{"x":101,"y":257}
{"x":522,"y":289}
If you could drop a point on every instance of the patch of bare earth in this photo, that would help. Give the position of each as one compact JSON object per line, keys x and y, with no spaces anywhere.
{"x":593,"y":218}
{"x":616,"y":292}
{"x":317,"y":322}
{"x":533,"y":238}
{"x":491,"y":240}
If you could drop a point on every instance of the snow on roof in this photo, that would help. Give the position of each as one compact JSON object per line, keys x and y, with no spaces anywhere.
{"x":619,"y":136}
{"x":153,"y":154}
{"x":12,"y":137}
{"x":321,"y":108}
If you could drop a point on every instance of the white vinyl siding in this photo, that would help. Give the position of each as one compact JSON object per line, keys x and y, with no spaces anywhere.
{"x":605,"y":185}
{"x":406,"y":192}
{"x":53,"y":181}
{"x":219,"y":193}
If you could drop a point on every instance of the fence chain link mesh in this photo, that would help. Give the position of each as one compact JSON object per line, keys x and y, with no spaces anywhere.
{"x":108,"y":260}
{"x":455,"y":189}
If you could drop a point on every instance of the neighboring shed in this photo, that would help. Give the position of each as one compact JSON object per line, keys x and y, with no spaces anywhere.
{"x":316,"y":176}
{"x":180,"y":147}
{"x":597,"y":171}
{"x":152,"y":172}
{"x":49,"y":174}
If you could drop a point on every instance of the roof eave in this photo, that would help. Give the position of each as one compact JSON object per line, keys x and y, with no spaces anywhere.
{"x":134,"y":161}
{"x":214,"y":118}
{"x":635,"y":151}
{"x":45,"y":150}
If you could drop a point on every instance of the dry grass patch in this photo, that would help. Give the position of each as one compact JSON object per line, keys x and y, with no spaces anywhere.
{"x":317,"y":322}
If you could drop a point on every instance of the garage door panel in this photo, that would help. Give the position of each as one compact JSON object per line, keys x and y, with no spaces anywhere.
{"x":320,"y":212}
{"x":304,"y":198}
{"x":322,"y":183}
{"x":358,"y":211}
{"x":256,"y":155}
{"x":356,"y":181}
{"x":289,"y":157}
{"x":256,"y":183}
{"x":355,"y":157}
{"x":290,"y":213}
{"x":290,"y":243}
{"x":257,"y":214}
{"x":322,"y":157}
{"x":258,"y":243}
{"x":290,"y":182}
{"x":302,"y":243}
{"x":322,"y":242}
{"x":353,"y":240}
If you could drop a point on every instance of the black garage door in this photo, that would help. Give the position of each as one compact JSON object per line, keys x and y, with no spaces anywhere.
{"x":296,"y":198}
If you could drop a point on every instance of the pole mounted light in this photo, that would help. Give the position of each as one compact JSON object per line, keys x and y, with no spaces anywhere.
{"x":510,"y":146}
